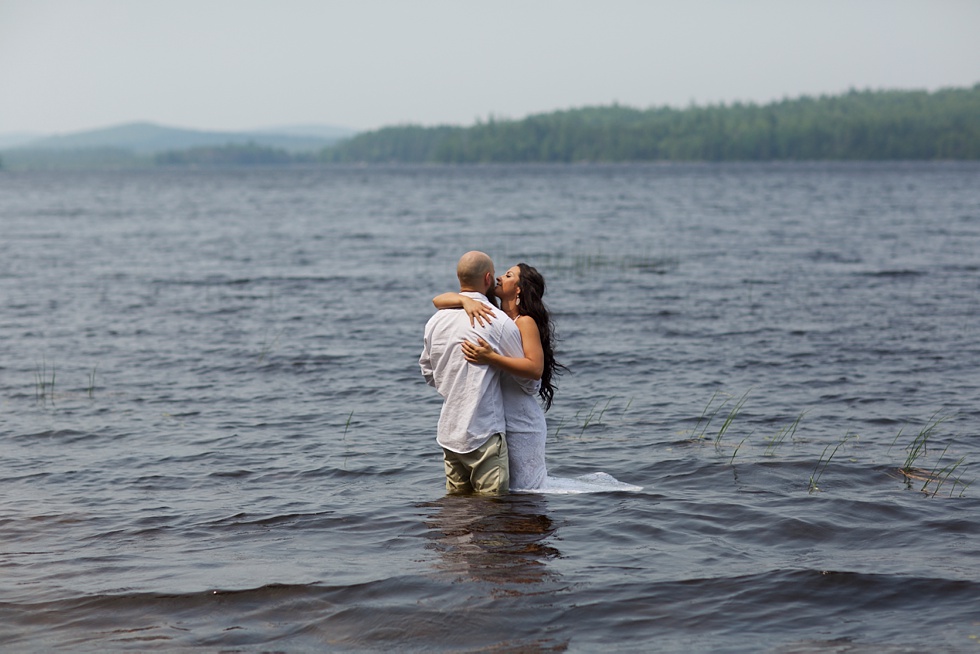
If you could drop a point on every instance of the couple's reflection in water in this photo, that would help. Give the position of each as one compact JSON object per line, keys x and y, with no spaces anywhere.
{"x":501,"y":540}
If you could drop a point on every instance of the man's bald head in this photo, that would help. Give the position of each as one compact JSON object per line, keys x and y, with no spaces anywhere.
{"x":475,"y":272}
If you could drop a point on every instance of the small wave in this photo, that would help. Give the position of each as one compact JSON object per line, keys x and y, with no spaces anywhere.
{"x":898,"y":273}
{"x":825,"y":256}
{"x":67,"y":435}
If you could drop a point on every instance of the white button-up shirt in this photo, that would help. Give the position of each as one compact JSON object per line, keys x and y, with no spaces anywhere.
{"x":473,"y":409}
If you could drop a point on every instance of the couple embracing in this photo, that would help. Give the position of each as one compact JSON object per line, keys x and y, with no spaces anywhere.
{"x":490,"y":364}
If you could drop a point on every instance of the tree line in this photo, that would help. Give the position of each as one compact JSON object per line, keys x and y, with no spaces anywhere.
{"x":858,"y":125}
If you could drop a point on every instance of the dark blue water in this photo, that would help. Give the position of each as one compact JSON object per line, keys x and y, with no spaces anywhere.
{"x":214,"y":433}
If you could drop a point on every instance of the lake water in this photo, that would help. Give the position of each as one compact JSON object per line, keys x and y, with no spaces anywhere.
{"x":215,"y":435}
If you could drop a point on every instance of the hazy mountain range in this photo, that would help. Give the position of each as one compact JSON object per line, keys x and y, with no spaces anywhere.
{"x":857,"y":125}
{"x":149,"y":139}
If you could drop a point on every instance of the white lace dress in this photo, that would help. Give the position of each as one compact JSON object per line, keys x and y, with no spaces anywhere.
{"x":527,"y":431}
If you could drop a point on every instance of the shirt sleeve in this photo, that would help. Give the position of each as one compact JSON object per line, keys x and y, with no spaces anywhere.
{"x":425,"y":363}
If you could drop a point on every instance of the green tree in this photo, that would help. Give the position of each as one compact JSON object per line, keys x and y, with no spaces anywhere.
{"x":854,"y":125}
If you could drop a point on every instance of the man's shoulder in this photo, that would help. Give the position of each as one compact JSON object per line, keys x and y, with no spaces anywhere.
{"x":504,"y":318}
{"x":499,"y":314}
{"x":444,"y":316}
{"x":502,"y":324}
{"x":448,"y":320}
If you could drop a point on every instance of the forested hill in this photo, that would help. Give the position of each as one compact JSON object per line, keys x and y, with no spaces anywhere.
{"x":859,"y":125}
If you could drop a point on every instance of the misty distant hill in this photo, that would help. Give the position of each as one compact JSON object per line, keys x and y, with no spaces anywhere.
{"x":857,"y":125}
{"x":149,"y":139}
{"x":16,"y":139}
{"x":328,"y":132}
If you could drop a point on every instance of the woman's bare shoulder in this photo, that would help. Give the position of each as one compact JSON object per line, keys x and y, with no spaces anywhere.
{"x":526,"y":323}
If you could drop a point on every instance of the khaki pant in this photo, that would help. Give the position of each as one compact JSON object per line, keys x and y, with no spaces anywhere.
{"x":484,"y":470}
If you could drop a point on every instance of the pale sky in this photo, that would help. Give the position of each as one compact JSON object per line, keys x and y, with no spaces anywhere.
{"x":69,"y":65}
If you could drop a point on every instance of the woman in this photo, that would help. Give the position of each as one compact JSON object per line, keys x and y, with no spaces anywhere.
{"x":520,"y":291}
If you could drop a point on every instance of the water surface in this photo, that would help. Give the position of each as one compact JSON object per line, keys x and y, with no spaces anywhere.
{"x":215,"y":435}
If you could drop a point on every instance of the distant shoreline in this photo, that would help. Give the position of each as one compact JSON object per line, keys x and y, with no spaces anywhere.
{"x":856,"y":126}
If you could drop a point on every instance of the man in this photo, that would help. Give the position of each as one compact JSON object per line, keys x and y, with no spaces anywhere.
{"x":471,"y":424}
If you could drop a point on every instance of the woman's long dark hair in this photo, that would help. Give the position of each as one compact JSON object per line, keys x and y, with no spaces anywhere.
{"x":531,"y":284}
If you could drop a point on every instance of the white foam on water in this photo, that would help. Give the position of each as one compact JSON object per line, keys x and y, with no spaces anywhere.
{"x":595,"y":482}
